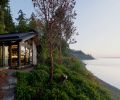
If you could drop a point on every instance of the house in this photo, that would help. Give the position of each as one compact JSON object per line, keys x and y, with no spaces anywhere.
{"x":18,"y":50}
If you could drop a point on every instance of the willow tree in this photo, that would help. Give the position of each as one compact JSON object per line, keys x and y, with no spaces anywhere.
{"x":52,"y":14}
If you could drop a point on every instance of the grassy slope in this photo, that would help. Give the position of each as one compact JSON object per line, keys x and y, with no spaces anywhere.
{"x":115,"y":93}
{"x":80,"y":85}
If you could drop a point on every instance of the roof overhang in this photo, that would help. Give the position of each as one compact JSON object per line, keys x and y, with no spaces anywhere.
{"x":17,"y":37}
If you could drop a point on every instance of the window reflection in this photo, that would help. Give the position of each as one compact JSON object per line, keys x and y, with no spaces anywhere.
{"x":6,"y":57}
{"x":27,"y":55}
{"x":14,"y":55}
{"x":9,"y":54}
{"x":30,"y":56}
{"x":22,"y":55}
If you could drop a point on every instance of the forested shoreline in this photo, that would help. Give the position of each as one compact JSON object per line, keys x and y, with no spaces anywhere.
{"x":58,"y":75}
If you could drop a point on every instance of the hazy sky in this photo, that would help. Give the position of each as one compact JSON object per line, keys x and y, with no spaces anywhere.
{"x":98,"y":23}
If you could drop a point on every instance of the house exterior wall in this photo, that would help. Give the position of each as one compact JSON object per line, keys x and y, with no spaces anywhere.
{"x":34,"y":53}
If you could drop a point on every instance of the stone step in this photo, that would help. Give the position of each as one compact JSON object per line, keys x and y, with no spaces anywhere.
{"x":11,"y":83}
{"x":7,"y":87}
{"x":9,"y":98}
{"x":9,"y":95}
{"x":12,"y":80}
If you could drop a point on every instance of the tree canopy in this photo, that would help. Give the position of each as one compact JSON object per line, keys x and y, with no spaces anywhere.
{"x":6,"y":21}
{"x":53,"y":16}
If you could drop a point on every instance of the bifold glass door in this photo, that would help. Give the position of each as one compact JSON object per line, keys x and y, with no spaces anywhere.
{"x":14,"y":55}
{"x":26,"y":55}
{"x":6,"y":56}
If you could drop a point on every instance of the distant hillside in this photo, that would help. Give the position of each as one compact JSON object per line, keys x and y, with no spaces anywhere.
{"x":80,"y":54}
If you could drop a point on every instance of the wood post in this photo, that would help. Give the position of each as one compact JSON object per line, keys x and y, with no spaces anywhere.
{"x":10,"y":55}
{"x":25,"y":56}
{"x":19,"y":54}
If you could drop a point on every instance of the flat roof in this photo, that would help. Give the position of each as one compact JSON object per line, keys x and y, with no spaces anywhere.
{"x":8,"y":37}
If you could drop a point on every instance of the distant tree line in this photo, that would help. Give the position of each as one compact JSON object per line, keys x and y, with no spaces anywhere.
{"x":6,"y":21}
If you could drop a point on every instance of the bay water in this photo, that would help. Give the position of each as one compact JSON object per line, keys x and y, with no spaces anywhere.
{"x":107,"y":69}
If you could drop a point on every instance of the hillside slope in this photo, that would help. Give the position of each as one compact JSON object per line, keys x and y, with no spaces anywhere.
{"x":79,"y":84}
{"x":80,"y":54}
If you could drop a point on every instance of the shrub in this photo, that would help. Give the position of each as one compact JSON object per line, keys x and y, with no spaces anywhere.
{"x":39,"y":75}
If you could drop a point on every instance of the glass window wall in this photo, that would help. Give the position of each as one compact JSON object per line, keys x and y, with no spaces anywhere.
{"x":22,"y":59}
{"x":26,"y":55}
{"x":9,"y":55}
{"x":14,"y":55}
{"x":31,"y":54}
{"x":6,"y":57}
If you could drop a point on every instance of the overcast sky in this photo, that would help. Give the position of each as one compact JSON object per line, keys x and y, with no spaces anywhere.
{"x":98,"y":23}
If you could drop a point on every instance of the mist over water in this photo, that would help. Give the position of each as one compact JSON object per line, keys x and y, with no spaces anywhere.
{"x":107,"y":69}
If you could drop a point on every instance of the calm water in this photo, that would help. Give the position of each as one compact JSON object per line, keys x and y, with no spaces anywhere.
{"x":107,"y":69}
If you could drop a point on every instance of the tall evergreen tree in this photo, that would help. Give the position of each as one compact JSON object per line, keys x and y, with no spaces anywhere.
{"x":3,"y":5}
{"x":9,"y":24}
{"x":22,"y":22}
{"x":2,"y":25}
{"x":6,"y":22}
{"x":32,"y":22}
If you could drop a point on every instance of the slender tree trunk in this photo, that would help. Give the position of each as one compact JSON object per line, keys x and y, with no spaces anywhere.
{"x":52,"y":65}
{"x":60,"y":55}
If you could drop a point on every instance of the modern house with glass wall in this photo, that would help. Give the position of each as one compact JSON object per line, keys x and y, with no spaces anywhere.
{"x":18,"y":50}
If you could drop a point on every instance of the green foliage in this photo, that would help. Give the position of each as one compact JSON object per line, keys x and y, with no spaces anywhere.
{"x":24,"y":91}
{"x":26,"y":24}
{"x":2,"y":25}
{"x":6,"y":22}
{"x":78,"y":86}
{"x":22,"y":22}
{"x":43,"y":55}
{"x":9,"y":24}
{"x":4,"y":3}
{"x":29,"y":84}
{"x":1,"y":28}
{"x":32,"y":23}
